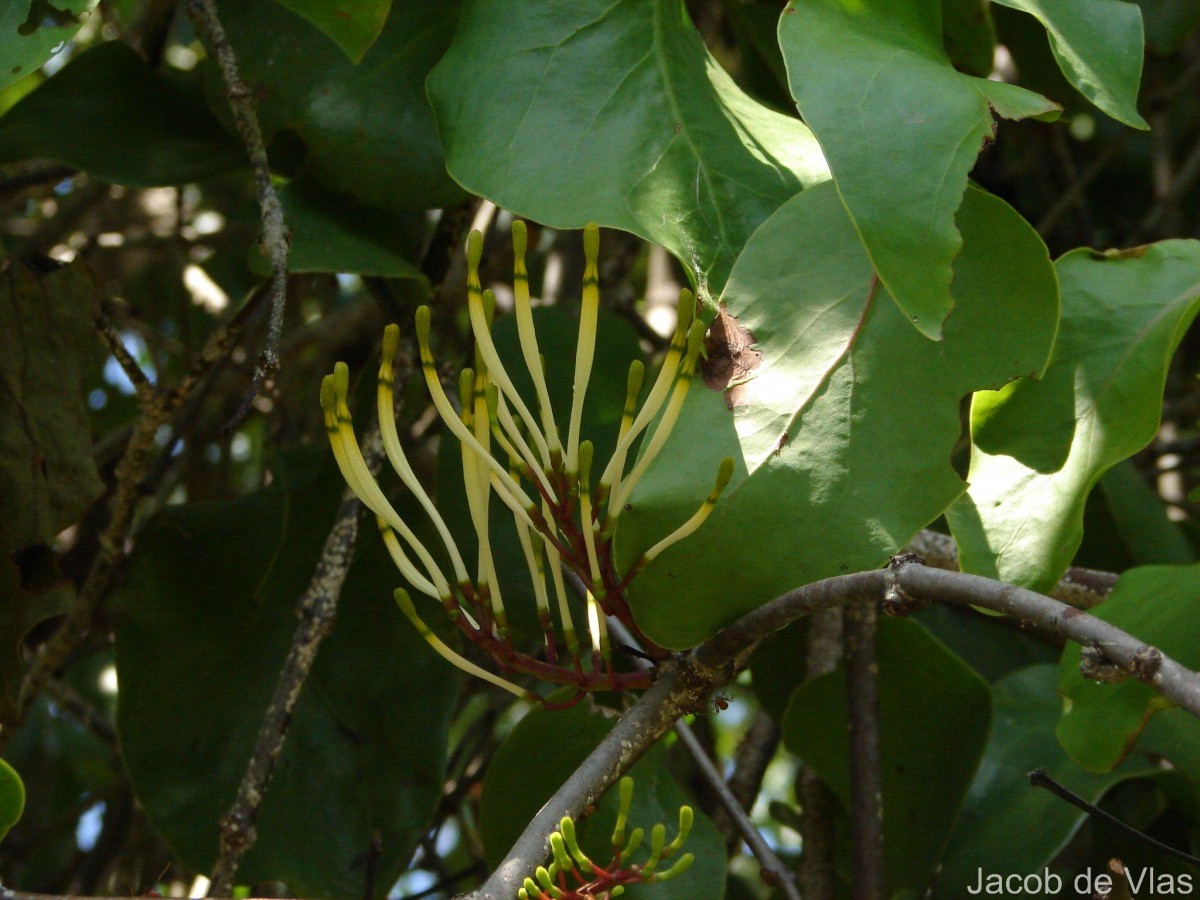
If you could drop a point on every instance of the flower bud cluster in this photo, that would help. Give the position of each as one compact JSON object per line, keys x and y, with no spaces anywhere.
{"x":573,"y":875}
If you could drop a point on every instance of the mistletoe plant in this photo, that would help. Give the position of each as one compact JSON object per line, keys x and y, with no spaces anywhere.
{"x":563,"y":518}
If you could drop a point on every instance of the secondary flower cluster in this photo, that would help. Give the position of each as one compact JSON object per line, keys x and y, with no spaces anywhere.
{"x":563,"y":518}
{"x":595,"y":881}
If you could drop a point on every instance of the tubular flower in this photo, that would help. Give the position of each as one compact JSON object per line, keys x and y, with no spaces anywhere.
{"x":513,"y":450}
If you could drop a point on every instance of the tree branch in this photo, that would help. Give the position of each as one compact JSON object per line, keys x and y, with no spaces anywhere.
{"x":818,"y":805}
{"x":275,"y":236}
{"x":685,"y":682}
{"x":774,"y":872}
{"x":316,"y":609}
{"x":866,"y":777}
{"x":1079,"y":587}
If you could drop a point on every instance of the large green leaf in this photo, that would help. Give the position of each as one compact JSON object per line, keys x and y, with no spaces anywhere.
{"x":363,"y":130}
{"x":535,"y":117}
{"x":1000,"y":802}
{"x":842,"y":436}
{"x":352,"y":24}
{"x":933,"y":725}
{"x":1040,"y":447}
{"x":47,"y":476}
{"x":209,"y":617}
{"x":1169,"y":22}
{"x":1100,"y":722}
{"x":111,"y":115}
{"x":1098,"y":46}
{"x":31,"y":31}
{"x":969,"y":36}
{"x":332,"y":234}
{"x":1140,"y":519}
{"x":12,"y":798}
{"x":901,"y":129}
{"x":543,"y":751}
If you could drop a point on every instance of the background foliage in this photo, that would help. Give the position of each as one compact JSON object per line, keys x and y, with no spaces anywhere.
{"x":908,"y":204}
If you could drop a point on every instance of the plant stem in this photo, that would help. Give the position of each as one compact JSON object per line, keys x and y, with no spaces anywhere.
{"x":316,"y":610}
{"x":774,"y":872}
{"x":276,"y":239}
{"x":684,"y":684}
{"x":866,"y":782}
{"x":818,"y":805}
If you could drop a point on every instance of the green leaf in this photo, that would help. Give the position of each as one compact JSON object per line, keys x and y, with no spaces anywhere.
{"x":364,"y":131}
{"x":1098,"y":46}
{"x":209,"y":617}
{"x":969,"y":36}
{"x":1039,"y":447}
{"x":778,"y":666}
{"x":1101,"y":722}
{"x":842,"y":437}
{"x":1174,"y":734}
{"x":31,"y":31}
{"x":332,"y":234}
{"x":988,"y":644}
{"x":901,"y":129}
{"x":12,"y":798}
{"x":352,"y":24}
{"x":534,"y":116}
{"x":47,"y":475}
{"x":544,"y":750}
{"x":1168,"y":23}
{"x":1001,"y":803}
{"x":1140,"y":519}
{"x":928,"y":698}
{"x":111,"y":115}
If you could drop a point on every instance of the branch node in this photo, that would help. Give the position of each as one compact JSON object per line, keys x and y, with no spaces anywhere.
{"x":899,"y":602}
{"x":896,"y":600}
{"x":1094,"y":664}
{"x":1146,"y":663}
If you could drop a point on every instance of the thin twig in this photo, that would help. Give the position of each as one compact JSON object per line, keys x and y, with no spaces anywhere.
{"x":774,"y":872}
{"x":818,"y":804}
{"x":1181,"y":182}
{"x":34,"y":177}
{"x":75,"y":705}
{"x":275,"y":236}
{"x":866,"y":777}
{"x":142,"y":385}
{"x":685,"y":683}
{"x":1038,"y":778}
{"x":1079,"y":587}
{"x":773,"y":868}
{"x":673,"y":695}
{"x":316,"y":610}
{"x":750,"y":761}
{"x":1074,"y":193}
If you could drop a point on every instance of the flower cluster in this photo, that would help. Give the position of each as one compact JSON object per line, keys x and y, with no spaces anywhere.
{"x":563,"y":517}
{"x":591,"y":880}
